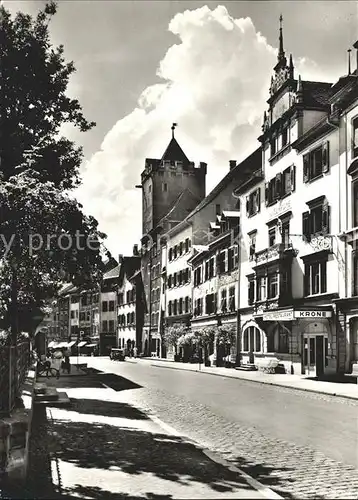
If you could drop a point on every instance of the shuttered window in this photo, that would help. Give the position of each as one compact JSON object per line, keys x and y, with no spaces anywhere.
{"x":316,"y":162}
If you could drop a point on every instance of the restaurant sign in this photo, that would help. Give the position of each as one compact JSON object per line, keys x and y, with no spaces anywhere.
{"x":278,"y":315}
{"x":313,"y":314}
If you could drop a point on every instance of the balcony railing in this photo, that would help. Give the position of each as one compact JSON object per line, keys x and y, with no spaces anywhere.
{"x":278,"y":251}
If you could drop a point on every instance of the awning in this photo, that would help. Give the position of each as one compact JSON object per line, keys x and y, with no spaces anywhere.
{"x":70,"y":344}
{"x":61,"y":345}
{"x":51,"y":344}
{"x":81,"y":344}
{"x":91,"y":345}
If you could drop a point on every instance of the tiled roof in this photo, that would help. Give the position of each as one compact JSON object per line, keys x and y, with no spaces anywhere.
{"x":316,"y":94}
{"x":174,"y":152}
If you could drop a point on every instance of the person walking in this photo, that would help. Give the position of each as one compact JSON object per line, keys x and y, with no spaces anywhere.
{"x":67,"y":364}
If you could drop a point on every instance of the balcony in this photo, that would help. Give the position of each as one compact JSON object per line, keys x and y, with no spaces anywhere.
{"x":270,"y":254}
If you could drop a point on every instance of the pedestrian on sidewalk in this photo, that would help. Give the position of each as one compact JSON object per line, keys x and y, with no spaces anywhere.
{"x":66,"y":363}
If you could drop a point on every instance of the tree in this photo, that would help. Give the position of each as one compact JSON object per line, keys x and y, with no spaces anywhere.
{"x":172,"y":335}
{"x":44,"y":234}
{"x":34,"y":104}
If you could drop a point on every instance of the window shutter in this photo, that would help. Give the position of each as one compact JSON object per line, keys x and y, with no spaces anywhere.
{"x":325,"y":218}
{"x":267,"y":193}
{"x":306,"y":282}
{"x":293,"y":177}
{"x":248,"y":205}
{"x":278,"y":186}
{"x":306,"y":167}
{"x":251,"y":292}
{"x":215,"y":301}
{"x":325,"y":157}
{"x":258,"y":195}
{"x":306,"y":225}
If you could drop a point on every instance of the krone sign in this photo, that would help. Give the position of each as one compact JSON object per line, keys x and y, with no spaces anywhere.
{"x":313,"y":314}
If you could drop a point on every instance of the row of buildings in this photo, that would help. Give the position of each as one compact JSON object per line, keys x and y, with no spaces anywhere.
{"x":271,"y":252}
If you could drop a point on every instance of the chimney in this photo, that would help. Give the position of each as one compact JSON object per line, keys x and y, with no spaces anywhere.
{"x":120,"y":258}
{"x":232,"y":164}
{"x":135,"y":251}
{"x":355,"y":45}
{"x":203,"y":165}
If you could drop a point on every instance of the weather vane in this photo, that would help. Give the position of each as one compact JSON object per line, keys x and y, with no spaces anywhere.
{"x":173,"y":128}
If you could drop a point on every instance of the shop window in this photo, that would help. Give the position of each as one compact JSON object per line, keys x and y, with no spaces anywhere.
{"x":253,"y":202}
{"x":355,"y":137}
{"x":316,"y":162}
{"x":252,"y":339}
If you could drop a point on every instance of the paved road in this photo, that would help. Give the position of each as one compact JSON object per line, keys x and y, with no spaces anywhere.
{"x":299,"y":444}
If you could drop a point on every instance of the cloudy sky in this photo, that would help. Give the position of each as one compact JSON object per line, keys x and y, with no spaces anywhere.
{"x":142,"y":65}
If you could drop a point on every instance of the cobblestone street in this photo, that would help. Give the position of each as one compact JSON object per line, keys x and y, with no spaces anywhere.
{"x":103,"y":447}
{"x":301,"y":445}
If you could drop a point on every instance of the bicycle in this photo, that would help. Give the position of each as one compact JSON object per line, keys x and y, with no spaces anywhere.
{"x":46,"y":370}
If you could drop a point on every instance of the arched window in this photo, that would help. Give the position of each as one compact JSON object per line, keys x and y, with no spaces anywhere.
{"x":251,"y":340}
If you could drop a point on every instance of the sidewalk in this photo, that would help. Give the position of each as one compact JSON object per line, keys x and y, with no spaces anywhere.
{"x":298,"y":382}
{"x":103,"y":447}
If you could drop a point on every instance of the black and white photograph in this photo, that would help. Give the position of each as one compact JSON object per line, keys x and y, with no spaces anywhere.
{"x":178,"y":249}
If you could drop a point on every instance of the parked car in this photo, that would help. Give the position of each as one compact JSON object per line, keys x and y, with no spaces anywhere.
{"x":117,"y":354}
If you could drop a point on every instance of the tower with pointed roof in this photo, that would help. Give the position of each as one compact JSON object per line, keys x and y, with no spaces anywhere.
{"x":169,"y":181}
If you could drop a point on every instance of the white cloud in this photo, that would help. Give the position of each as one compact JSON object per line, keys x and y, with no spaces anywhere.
{"x":214,"y":85}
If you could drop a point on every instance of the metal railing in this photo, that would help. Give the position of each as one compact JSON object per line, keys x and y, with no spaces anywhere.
{"x":14,"y":364}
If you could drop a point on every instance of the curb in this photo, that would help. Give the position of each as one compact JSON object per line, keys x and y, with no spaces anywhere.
{"x":275,"y":384}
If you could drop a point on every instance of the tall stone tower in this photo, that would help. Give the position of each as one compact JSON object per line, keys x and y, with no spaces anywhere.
{"x":164,"y":180}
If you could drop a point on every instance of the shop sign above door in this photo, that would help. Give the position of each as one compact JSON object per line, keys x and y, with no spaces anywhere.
{"x":278,"y":315}
{"x":313,"y":314}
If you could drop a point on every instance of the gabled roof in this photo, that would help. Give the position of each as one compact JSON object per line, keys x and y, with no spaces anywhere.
{"x":112,"y":273}
{"x":129,"y":266}
{"x":174,"y":152}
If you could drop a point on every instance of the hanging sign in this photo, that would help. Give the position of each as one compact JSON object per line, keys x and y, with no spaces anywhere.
{"x":278,"y":315}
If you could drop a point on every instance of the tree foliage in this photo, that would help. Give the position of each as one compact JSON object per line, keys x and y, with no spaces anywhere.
{"x":173,"y":333}
{"x":38,"y":169}
{"x":34,"y":104}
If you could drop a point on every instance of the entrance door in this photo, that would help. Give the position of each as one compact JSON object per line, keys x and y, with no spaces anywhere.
{"x":314,"y":354}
